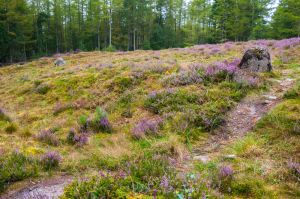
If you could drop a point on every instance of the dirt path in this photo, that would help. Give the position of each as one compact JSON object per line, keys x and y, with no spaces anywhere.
{"x":242,"y":119}
{"x":45,"y":189}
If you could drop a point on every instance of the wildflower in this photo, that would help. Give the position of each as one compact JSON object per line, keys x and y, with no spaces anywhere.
{"x":152,"y":94}
{"x":226,"y":171}
{"x":164,"y":183}
{"x":51,"y":159}
{"x":48,"y":137}
{"x":295,"y":167}
{"x":146,"y":126}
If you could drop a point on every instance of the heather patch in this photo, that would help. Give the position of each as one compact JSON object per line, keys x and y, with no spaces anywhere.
{"x":48,"y":137}
{"x":42,"y":89}
{"x":50,"y":160}
{"x":95,"y":123}
{"x":146,"y":127}
{"x":169,"y":100}
{"x":77,"y":139}
{"x":149,"y":175}
{"x":183,"y":78}
{"x":4,"y":116}
{"x":14,"y":167}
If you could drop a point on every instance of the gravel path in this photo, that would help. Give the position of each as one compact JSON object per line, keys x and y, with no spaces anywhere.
{"x":46,"y":189}
{"x":242,"y":119}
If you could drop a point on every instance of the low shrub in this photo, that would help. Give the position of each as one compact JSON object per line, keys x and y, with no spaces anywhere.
{"x":110,"y":48}
{"x":294,"y":168}
{"x":148,"y":176}
{"x":100,"y":121}
{"x":11,"y":128}
{"x":250,"y":188}
{"x":3,"y":116}
{"x":225,"y":178}
{"x":183,"y":78}
{"x":15,"y":167}
{"x":59,"y":108}
{"x":50,"y":160}
{"x":170,"y":100}
{"x":121,"y":83}
{"x":83,"y":123}
{"x":96,"y":123}
{"x":76,"y":139}
{"x":146,"y":127}
{"x":292,"y":93}
{"x":48,"y":136}
{"x":42,"y":89}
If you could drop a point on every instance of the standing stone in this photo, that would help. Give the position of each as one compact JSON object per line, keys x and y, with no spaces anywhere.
{"x":59,"y":62}
{"x":256,"y":59}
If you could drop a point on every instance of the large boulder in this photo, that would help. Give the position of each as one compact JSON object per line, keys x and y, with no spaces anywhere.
{"x":59,"y":62}
{"x":256,"y":59}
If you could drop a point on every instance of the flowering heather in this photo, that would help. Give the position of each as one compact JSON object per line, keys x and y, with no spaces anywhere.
{"x":287,"y":43}
{"x":48,"y":137}
{"x":104,"y":123}
{"x":295,"y":167}
{"x":264,"y":43}
{"x":59,"y":108}
{"x":74,"y":138}
{"x":51,"y":159}
{"x":219,"y":67}
{"x":3,"y":116}
{"x":225,"y":172}
{"x":164,"y":183}
{"x":146,"y":127}
{"x":105,"y":65}
{"x":183,"y":78}
{"x":156,"y":66}
{"x":100,"y":121}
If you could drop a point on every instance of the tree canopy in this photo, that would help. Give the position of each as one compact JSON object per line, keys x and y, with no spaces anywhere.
{"x":37,"y":28}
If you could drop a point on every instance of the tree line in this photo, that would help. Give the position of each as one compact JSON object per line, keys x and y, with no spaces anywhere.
{"x":34,"y":28}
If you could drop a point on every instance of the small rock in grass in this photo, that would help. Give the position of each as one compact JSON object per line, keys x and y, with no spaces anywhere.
{"x":202,"y":158}
{"x":267,"y":102}
{"x":230,"y":156}
{"x":270,"y":97}
{"x":59,"y":62}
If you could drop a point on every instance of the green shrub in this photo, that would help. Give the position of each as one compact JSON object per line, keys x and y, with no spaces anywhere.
{"x":123,"y":83}
{"x":15,"y":167}
{"x":83,"y":123}
{"x":110,"y":48}
{"x":50,"y":160}
{"x":292,"y":94}
{"x":3,"y":116}
{"x":249,"y":187}
{"x":42,"y":89}
{"x":97,"y":123}
{"x":170,"y":101}
{"x":11,"y":128}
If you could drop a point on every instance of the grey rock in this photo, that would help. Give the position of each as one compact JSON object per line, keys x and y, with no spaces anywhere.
{"x":230,"y":156}
{"x":270,"y":97}
{"x":59,"y":62}
{"x":256,"y":59}
{"x":202,"y":158}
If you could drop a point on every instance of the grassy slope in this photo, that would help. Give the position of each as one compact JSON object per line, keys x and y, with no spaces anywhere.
{"x":264,"y":157}
{"x":107,"y":79}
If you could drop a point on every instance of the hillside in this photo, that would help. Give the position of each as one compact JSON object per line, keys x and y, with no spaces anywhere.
{"x":129,"y":124}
